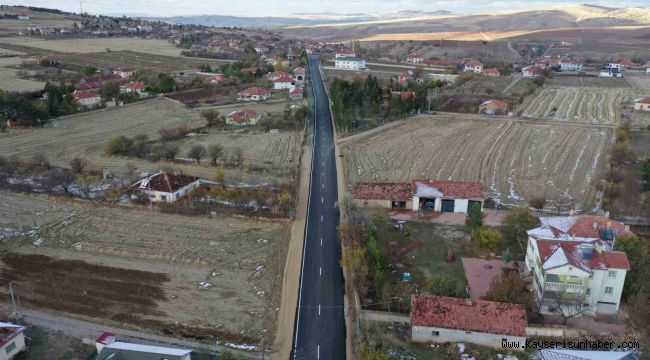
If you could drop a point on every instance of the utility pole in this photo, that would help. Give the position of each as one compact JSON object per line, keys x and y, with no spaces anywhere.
{"x":81,"y":8}
{"x":13,"y":303}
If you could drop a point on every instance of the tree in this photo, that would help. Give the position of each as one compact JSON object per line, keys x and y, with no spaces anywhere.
{"x":169,"y":151}
{"x":197,"y":152}
{"x":515,"y":225}
{"x":237,"y":156}
{"x":78,"y":164}
{"x":537,"y":202}
{"x":620,"y":153}
{"x":355,"y":260}
{"x":89,"y":70}
{"x":119,"y":145}
{"x":638,"y":255}
{"x":510,"y":288}
{"x":475,"y":217}
{"x":215,"y":151}
{"x":110,"y":90}
{"x":62,"y":178}
{"x":211,"y":116}
{"x":567,"y":304}
{"x":39,"y":159}
{"x":488,"y":238}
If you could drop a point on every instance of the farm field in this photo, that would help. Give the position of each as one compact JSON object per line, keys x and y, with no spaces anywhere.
{"x":11,"y":82}
{"x":514,"y":159}
{"x":583,"y":81}
{"x":86,"y":134}
{"x":576,"y":104}
{"x":95,"y":45}
{"x":142,"y":267}
{"x":486,"y":84}
{"x":640,"y":82}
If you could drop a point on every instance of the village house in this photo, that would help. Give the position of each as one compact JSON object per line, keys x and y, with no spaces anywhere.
{"x":344,"y":53}
{"x":451,"y":64}
{"x":299,"y":75}
{"x":292,"y":56}
{"x":441,"y":319}
{"x":243,"y":117}
{"x":571,"y":64}
{"x":297,"y":93}
{"x":421,"y":195}
{"x":110,"y":349}
{"x":277,"y":75}
{"x":253,"y":94}
{"x":642,"y":104}
{"x":165,"y":187}
{"x":473,"y":65}
{"x":284,"y":83}
{"x":532,"y":71}
{"x":415,"y":58}
{"x":87,"y":99}
{"x":573,"y":267}
{"x":261,"y":48}
{"x":491,"y":72}
{"x":12,"y":340}
{"x":403,"y":78}
{"x":134,"y":87}
{"x":124,"y":72}
{"x":349,"y":63}
{"x":493,"y":107}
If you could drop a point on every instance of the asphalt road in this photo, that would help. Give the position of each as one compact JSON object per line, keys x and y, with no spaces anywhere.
{"x":320,"y":325}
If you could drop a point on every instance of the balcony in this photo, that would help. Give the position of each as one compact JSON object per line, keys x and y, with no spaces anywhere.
{"x":567,"y":287}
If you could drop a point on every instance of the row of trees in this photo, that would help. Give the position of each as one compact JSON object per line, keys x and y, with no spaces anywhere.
{"x":29,"y":111}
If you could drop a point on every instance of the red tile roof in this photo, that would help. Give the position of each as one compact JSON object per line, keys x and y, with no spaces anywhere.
{"x":242,"y":115}
{"x":297,"y":90}
{"x":492,"y":71}
{"x":255,"y":91}
{"x":454,"y":189}
{"x":383,"y":191}
{"x":473,"y":63}
{"x":599,"y":260}
{"x":105,"y":338}
{"x":135,"y":85}
{"x":84,"y":95}
{"x":9,"y":331}
{"x":584,"y":226}
{"x":284,"y":79}
{"x":532,"y":69}
{"x":468,"y":315}
{"x":496,"y":104}
{"x":442,"y":62}
{"x":165,"y":182}
{"x":645,"y":100}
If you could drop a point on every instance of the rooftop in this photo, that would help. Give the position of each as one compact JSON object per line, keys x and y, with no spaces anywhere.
{"x":579,"y":227}
{"x":165,"y":182}
{"x":468,"y":315}
{"x":83,"y":94}
{"x":255,"y":91}
{"x":582,"y":255}
{"x":383,"y":191}
{"x":448,"y":189}
{"x":9,"y":331}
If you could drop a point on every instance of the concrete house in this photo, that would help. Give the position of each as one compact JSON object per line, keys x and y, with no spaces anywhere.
{"x":284,"y":83}
{"x":299,"y":75}
{"x":272,"y":76}
{"x":110,"y":349}
{"x":344,"y":53}
{"x":124,"y":72}
{"x":532,"y":71}
{"x":442,"y":319}
{"x":136,"y":87}
{"x":493,"y":107}
{"x":12,"y":340}
{"x":571,"y":64}
{"x":474,"y":66}
{"x":166,"y":187}
{"x":642,"y":104}
{"x":253,"y":94}
{"x":421,"y":195}
{"x":415,"y":58}
{"x":573,"y":266}
{"x":349,"y":63}
{"x":243,"y":117}
{"x":87,"y":99}
{"x":491,"y":72}
{"x":297,"y":93}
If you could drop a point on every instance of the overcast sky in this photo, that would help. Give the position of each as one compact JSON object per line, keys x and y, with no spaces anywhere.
{"x":286,"y":7}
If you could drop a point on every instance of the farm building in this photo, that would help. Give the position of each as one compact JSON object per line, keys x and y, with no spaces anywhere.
{"x":299,"y":75}
{"x":532,"y":71}
{"x":442,"y":319}
{"x":12,"y":340}
{"x":642,"y":104}
{"x":243,"y":117}
{"x":108,"y":349}
{"x":344,"y":53}
{"x":277,"y":75}
{"x":420,"y":195}
{"x":491,"y":72}
{"x":473,"y":65}
{"x":297,"y":93}
{"x":87,"y":98}
{"x":165,"y":187}
{"x":349,"y":63}
{"x":415,"y":58}
{"x":571,"y":64}
{"x":491,"y":107}
{"x":284,"y":83}
{"x":124,"y":72}
{"x":253,"y":94}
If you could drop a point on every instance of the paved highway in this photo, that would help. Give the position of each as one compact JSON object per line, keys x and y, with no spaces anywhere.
{"x":320,"y":326}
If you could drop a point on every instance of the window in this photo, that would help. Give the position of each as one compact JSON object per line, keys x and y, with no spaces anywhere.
{"x":609,"y":290}
{"x":468,"y":332}
{"x":435,"y":333}
{"x":611,"y":274}
{"x":588,"y":291}
{"x":11,"y":347}
{"x":163,"y":197}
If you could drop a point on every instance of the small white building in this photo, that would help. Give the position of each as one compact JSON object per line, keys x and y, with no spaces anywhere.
{"x":344,"y":53}
{"x":349,"y":63}
{"x":442,"y":319}
{"x":108,"y":349}
{"x":299,"y":75}
{"x":642,"y":104}
{"x":284,"y":83}
{"x":573,"y":266}
{"x":571,"y":64}
{"x":253,"y":94}
{"x":12,"y":340}
{"x":447,"y":196}
{"x":415,"y":58}
{"x":165,"y":187}
{"x":474,"y":66}
{"x":124,"y":72}
{"x":87,"y":99}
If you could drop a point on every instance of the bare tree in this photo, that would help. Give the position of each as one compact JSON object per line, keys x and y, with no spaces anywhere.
{"x":237,"y":156}
{"x":197,"y":152}
{"x":78,"y":164}
{"x":169,"y":151}
{"x":39,"y":159}
{"x":215,"y":151}
{"x":568,"y":304}
{"x":563,"y":201}
{"x":62,"y":178}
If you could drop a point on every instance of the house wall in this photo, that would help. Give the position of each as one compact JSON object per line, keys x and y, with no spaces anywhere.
{"x":643,"y":107}
{"x":379,"y":203}
{"x":460,"y":205}
{"x":156,"y":196}
{"x":17,"y":343}
{"x":425,"y":334}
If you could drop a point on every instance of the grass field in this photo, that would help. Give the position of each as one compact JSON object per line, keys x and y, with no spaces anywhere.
{"x":9,"y":81}
{"x":576,"y":104}
{"x":142,"y":267}
{"x":486,"y":84}
{"x":640,"y":82}
{"x":96,"y":45}
{"x":515,"y":160}
{"x":591,"y":82}
{"x":86,"y":135}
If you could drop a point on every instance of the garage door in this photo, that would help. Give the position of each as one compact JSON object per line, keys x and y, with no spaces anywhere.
{"x":472,"y":203}
{"x":447,"y":206}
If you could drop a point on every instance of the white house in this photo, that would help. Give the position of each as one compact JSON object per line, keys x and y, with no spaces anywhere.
{"x":12,"y":340}
{"x":573,"y":267}
{"x":87,"y":98}
{"x":610,"y":73}
{"x":124,"y":72}
{"x":108,"y":349}
{"x":253,"y":94}
{"x":571,"y":64}
{"x":284,"y":83}
{"x":165,"y":187}
{"x":135,"y":87}
{"x":344,"y":53}
{"x":299,"y":75}
{"x":415,"y":58}
{"x":349,"y":63}
{"x":442,"y":319}
{"x":473,"y":65}
{"x":642,"y":104}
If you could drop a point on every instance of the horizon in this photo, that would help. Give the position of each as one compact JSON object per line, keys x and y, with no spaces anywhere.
{"x":256,"y":8}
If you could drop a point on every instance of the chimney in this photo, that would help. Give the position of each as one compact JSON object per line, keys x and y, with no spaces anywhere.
{"x":570,"y":212}
{"x":609,"y":225}
{"x":627,"y":228}
{"x":468,"y":302}
{"x":595,"y":225}
{"x":606,"y":214}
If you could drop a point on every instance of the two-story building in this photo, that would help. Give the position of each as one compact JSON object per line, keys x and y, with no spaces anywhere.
{"x":349,"y":63}
{"x":474,"y":66}
{"x":573,"y":267}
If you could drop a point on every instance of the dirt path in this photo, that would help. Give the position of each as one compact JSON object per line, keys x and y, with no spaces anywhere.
{"x":514,"y":81}
{"x":84,"y":329}
{"x":291,"y":282}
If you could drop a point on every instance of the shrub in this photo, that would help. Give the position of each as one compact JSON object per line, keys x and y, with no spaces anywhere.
{"x":488,"y":238}
{"x":474,"y":218}
{"x":119,"y":145}
{"x":169,"y":134}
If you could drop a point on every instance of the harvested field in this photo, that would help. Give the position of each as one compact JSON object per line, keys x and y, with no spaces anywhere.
{"x":86,"y":135}
{"x":576,"y":104}
{"x":137,"y":59}
{"x":639,"y":82}
{"x":486,"y":84}
{"x":11,"y":82}
{"x":96,"y":45}
{"x":515,"y":160}
{"x":155,"y":264}
{"x":584,"y":81}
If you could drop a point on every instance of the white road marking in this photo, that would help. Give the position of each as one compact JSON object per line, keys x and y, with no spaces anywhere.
{"x":321,"y":241}
{"x":318,"y":352}
{"x":321,"y":218}
{"x":318,"y":309}
{"x":322,"y":200}
{"x":320,"y":271}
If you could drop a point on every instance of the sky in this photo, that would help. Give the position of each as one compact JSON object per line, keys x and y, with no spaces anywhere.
{"x":287,"y":7}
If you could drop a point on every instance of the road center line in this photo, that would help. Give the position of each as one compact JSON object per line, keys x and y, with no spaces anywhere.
{"x":318,"y":352}
{"x":320,"y":271}
{"x":321,"y":218}
{"x":318,"y":309}
{"x":321,"y":241}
